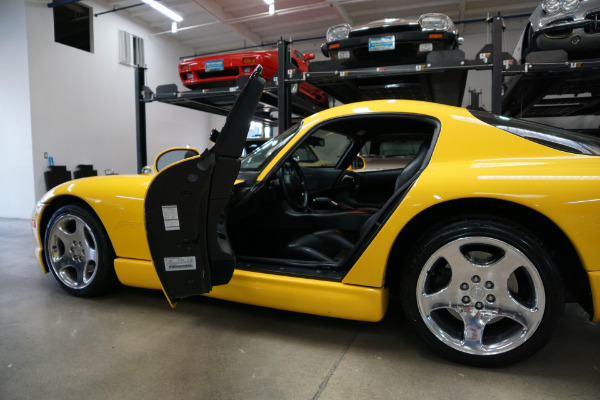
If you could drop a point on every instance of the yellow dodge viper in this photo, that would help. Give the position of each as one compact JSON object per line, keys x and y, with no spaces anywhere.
{"x":482,"y":236}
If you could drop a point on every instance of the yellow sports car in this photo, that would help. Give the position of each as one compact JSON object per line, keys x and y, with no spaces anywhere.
{"x":482,"y":236}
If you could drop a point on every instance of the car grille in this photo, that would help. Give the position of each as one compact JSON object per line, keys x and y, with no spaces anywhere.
{"x":218,"y":74}
{"x":559,"y":32}
{"x":380,"y":30}
{"x":595,"y":26}
{"x":402,"y":54}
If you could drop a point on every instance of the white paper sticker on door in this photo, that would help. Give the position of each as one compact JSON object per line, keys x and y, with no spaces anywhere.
{"x":171,"y":218}
{"x":180,"y":263}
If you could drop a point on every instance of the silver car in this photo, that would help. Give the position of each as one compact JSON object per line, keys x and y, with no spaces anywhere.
{"x":570,"y":25}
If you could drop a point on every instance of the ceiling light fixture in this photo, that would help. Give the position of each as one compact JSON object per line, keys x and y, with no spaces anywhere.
{"x":271,"y":4}
{"x":174,"y":27}
{"x":164,"y":10}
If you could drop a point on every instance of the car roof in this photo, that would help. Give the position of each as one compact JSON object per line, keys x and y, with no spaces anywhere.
{"x":416,"y":107}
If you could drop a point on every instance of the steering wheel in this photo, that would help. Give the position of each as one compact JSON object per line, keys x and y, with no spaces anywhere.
{"x":291,"y":180}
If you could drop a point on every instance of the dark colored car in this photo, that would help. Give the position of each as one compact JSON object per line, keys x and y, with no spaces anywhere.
{"x":391,"y":41}
{"x":570,"y":25}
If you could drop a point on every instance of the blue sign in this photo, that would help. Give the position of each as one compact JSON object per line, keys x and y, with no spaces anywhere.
{"x":382,"y":43}
{"x":213,"y":65}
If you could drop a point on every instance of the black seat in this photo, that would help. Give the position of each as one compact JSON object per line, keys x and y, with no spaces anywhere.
{"x":328,"y":246}
{"x":331,"y":245}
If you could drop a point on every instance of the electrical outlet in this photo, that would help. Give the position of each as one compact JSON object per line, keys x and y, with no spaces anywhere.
{"x":46,"y":155}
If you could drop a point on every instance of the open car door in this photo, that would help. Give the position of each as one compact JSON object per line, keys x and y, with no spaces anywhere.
{"x":185,"y":203}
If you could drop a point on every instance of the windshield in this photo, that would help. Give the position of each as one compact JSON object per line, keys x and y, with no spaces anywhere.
{"x":259,"y":157}
{"x":556,"y":138}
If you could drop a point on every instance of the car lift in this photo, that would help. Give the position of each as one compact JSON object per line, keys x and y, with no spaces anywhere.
{"x":546,"y":85}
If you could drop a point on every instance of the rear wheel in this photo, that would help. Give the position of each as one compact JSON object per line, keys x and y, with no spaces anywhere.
{"x":78,"y":252}
{"x":483,"y":291}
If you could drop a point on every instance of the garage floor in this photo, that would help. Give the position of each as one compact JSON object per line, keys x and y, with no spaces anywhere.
{"x":132,"y":345}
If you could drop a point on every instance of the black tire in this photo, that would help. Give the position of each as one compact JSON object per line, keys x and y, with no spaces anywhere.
{"x":78,"y":252}
{"x":482,"y":291}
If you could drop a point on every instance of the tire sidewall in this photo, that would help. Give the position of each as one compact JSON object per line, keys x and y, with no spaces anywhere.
{"x":104,"y":277}
{"x":526,"y":242}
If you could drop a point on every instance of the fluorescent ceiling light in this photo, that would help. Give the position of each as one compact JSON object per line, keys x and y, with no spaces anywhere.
{"x":271,"y":4}
{"x":173,"y":27}
{"x":164,"y":10}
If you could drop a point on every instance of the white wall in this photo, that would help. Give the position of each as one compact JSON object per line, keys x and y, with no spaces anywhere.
{"x":79,"y":106}
{"x":18,"y":198}
{"x":83,"y":104}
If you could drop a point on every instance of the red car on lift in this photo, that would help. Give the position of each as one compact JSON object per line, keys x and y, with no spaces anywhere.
{"x":224,"y":69}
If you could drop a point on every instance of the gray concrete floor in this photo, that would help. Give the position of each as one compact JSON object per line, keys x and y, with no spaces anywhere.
{"x":131,"y":345}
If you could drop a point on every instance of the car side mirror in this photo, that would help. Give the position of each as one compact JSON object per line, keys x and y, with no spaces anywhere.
{"x":172,"y":156}
{"x":308,"y":56}
{"x":357,"y":164}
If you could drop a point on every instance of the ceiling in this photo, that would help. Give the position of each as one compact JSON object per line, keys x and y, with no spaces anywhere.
{"x":211,"y":26}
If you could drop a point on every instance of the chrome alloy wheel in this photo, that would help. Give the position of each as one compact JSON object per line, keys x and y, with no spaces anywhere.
{"x":72,"y":251}
{"x":480,"y":296}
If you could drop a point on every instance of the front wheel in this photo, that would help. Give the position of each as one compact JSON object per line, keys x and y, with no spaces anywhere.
{"x":482,"y":291}
{"x":78,"y":252}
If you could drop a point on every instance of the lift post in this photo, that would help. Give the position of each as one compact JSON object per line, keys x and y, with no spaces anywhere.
{"x":497,"y":63}
{"x":140,"y":118}
{"x":283,"y":88}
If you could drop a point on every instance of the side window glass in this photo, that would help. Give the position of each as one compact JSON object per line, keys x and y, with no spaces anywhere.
{"x":388,"y":153}
{"x":305,"y":155}
{"x":323,"y":149}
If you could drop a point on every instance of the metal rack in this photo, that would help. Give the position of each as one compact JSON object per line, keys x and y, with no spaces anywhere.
{"x":537,"y":88}
{"x":442,"y":78}
{"x":554,"y":87}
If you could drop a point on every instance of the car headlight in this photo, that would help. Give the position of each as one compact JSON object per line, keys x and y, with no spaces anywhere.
{"x":338,"y":32}
{"x":570,"y":5}
{"x":437,"y":22}
{"x":552,"y":7}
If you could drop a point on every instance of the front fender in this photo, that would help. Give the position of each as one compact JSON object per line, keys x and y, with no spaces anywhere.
{"x":117,"y":200}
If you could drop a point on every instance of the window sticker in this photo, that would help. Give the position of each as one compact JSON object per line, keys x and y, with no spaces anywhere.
{"x":180,"y":263}
{"x":171,"y":218}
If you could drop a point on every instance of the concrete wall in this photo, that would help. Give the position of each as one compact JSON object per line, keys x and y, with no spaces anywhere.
{"x":83,"y":104}
{"x":18,"y":197}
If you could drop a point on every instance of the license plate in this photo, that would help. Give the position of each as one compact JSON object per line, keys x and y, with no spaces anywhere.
{"x":213,"y":65}
{"x":382,"y":43}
